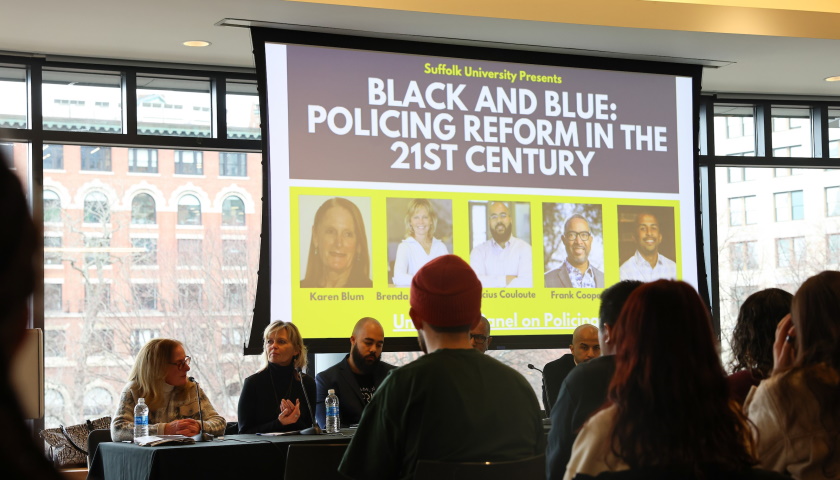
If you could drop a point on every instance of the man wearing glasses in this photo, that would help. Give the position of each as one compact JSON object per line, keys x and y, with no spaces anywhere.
{"x":576,"y":271}
{"x":480,"y":335}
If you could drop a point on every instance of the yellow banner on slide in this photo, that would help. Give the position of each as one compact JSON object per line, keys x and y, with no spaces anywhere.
{"x":530,"y":303}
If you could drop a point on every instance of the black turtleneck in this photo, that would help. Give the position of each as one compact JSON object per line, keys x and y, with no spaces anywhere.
{"x":259,"y":403}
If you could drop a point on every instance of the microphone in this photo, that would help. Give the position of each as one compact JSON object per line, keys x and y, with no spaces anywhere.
{"x":546,"y":405}
{"x":314,"y":429}
{"x":200,"y":436}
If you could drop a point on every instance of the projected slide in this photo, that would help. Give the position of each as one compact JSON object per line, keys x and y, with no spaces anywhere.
{"x":552,"y":182}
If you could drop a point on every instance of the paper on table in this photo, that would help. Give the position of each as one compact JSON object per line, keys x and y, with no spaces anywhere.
{"x":152,"y":440}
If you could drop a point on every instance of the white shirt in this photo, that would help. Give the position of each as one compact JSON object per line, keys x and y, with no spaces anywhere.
{"x":637,"y":268}
{"x":493,"y":263}
{"x":411,"y":256}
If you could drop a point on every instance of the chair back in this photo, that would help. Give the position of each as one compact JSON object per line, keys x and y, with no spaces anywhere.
{"x":314,"y":460}
{"x":94,"y":439}
{"x":525,"y":469}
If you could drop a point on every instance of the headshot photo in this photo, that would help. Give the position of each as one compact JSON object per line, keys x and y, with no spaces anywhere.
{"x":573,"y":245}
{"x":419,"y":230}
{"x":647,"y":246}
{"x":500,"y":239}
{"x":334,"y":247}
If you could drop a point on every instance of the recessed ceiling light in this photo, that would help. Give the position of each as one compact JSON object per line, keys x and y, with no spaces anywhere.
{"x":196,"y":43}
{"x":833,"y":79}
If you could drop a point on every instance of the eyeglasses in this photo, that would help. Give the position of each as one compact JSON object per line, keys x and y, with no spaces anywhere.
{"x":479,"y":339}
{"x":572,"y":236}
{"x":183,"y":363}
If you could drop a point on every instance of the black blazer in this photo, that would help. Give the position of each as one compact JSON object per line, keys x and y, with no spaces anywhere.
{"x":553,"y":375}
{"x":350,"y":401}
{"x":259,"y":405}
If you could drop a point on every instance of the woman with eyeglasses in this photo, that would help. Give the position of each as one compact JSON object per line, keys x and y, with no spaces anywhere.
{"x":159,"y":375}
{"x":273,"y":399}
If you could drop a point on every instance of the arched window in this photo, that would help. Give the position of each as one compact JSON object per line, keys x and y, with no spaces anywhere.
{"x":54,"y":408}
{"x":143,"y":210}
{"x":233,"y":212}
{"x":52,"y":206}
{"x":189,"y":210}
{"x":98,"y":402}
{"x":97,"y":209}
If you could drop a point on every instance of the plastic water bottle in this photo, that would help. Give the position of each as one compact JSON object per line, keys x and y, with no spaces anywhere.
{"x":331,"y":403}
{"x":141,"y":419}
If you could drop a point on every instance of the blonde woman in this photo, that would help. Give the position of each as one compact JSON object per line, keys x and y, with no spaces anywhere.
{"x":272,"y":399}
{"x":159,"y":375}
{"x":420,"y":245}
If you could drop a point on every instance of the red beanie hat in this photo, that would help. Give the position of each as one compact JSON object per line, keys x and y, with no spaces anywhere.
{"x":445,"y":292}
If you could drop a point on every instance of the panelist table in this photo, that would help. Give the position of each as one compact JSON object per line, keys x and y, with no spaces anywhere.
{"x":233,"y":456}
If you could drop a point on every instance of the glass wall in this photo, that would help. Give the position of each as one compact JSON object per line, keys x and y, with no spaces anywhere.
{"x":151,"y":216}
{"x":144,"y":237}
{"x":778,"y":214}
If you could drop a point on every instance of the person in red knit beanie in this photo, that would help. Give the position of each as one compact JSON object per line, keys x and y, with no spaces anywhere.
{"x":451,"y":404}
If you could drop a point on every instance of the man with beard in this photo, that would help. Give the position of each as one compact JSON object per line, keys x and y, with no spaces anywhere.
{"x":648,"y":264}
{"x":356,"y":378}
{"x":453,"y":404}
{"x":504,"y":260}
{"x":576,"y":271}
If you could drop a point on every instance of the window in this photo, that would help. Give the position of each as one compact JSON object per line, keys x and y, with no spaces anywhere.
{"x":233,"y":164}
{"x":53,"y":157}
{"x":234,"y":253}
{"x":789,"y":206}
{"x":53,"y":403}
{"x":97,"y":296}
{"x":832,"y":201}
{"x":96,"y":159}
{"x":233,"y":340}
{"x":148,"y":256}
{"x":833,"y":247}
{"x":235,"y":296}
{"x":189,"y":210}
{"x":743,"y":255}
{"x":142,"y":160}
{"x":742,"y":211}
{"x":51,"y":256}
{"x":97,"y":251}
{"x":97,"y":208}
{"x":145,"y":296}
{"x":188,"y":162}
{"x":102,"y":341}
{"x":55,"y":342}
{"x":143,"y":210}
{"x":233,"y":212}
{"x":189,"y":252}
{"x":52,"y":207}
{"x":738,"y":295}
{"x":98,"y":402}
{"x":190,"y":296}
{"x":52,"y":297}
{"x":789,"y":251}
{"x":140,"y":337}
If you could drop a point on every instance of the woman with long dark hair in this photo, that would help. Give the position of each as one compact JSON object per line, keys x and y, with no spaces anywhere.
{"x":668,"y":402}
{"x":752,"y":339}
{"x":797,"y":409}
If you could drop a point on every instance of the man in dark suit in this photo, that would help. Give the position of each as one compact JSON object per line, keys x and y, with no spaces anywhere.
{"x":585,"y":388}
{"x":584,"y":347}
{"x":356,"y":378}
